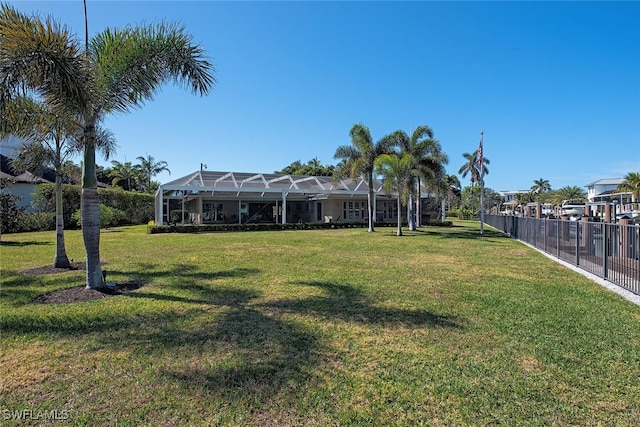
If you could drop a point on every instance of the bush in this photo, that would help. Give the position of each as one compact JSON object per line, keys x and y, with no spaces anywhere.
{"x":44,"y":200}
{"x":138,"y":208}
{"x":208,"y":228}
{"x":36,"y":221}
{"x":109,"y":217}
{"x":10,"y":213}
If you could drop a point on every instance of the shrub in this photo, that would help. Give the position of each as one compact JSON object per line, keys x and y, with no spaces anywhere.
{"x":44,"y":200}
{"x":109,"y":217}
{"x":10,"y":213}
{"x":138,"y":207}
{"x":36,"y":221}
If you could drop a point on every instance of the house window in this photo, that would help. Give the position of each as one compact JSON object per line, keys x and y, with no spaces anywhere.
{"x":389,"y":210}
{"x":353,"y":210}
{"x":212,"y":212}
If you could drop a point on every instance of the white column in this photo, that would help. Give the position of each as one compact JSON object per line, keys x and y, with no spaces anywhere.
{"x":158,"y":202}
{"x":239,"y":213}
{"x":284,"y":207}
{"x":375,"y":207}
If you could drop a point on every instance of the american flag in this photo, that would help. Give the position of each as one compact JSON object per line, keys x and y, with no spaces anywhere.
{"x":480,"y":155}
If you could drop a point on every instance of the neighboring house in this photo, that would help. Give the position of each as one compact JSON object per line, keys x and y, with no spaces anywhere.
{"x":209,"y":197}
{"x":510,"y":195}
{"x":603,"y":190}
{"x":22,"y":185}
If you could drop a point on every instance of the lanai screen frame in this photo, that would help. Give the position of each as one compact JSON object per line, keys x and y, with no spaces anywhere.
{"x":233,"y":185}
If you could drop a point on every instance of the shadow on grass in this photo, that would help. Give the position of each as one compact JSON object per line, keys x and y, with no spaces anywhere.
{"x":27,"y":243}
{"x":217,"y":339}
{"x":345,"y":302}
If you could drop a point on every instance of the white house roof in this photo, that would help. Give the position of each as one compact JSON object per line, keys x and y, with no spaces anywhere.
{"x":606,"y":181}
{"x":237,"y":183}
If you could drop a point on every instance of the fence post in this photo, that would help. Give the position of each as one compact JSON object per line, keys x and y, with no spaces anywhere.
{"x":558,"y":224}
{"x":605,"y":251}
{"x":578,"y":228}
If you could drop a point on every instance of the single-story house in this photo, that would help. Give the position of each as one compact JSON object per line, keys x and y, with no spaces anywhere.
{"x":210,"y":197}
{"x":22,"y":185}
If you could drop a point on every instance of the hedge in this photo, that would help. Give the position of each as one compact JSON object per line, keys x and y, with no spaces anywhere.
{"x":210,"y":228}
{"x":138,"y":208}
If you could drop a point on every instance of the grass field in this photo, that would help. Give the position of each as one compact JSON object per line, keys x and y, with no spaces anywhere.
{"x":328,"y":327}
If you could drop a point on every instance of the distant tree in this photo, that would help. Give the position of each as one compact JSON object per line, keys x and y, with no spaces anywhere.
{"x":567,"y":193}
{"x":471,"y":167}
{"x":358,"y":160}
{"x":72,"y":172}
{"x":540,"y":186}
{"x":125,"y":172}
{"x":453,"y":191}
{"x":470,"y":198}
{"x":148,"y":169}
{"x":631,"y":184}
{"x":291,"y":169}
{"x":312,"y":168}
{"x":396,"y":170}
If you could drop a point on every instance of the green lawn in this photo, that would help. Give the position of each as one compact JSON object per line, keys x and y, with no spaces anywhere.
{"x":328,"y":327}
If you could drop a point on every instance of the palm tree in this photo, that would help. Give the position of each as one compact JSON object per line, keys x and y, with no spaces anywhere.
{"x":471,"y":167}
{"x":118,"y":70}
{"x":569,"y":192}
{"x":396,"y":171}
{"x":150,"y":168}
{"x":358,"y":160}
{"x":52,"y":140}
{"x":126,"y":172}
{"x":631,"y":184}
{"x":429,"y":164}
{"x":540,"y":186}
{"x":454,"y":187}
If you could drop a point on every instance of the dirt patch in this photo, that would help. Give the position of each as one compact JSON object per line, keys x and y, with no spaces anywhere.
{"x":81,"y":293}
{"x":50,"y":269}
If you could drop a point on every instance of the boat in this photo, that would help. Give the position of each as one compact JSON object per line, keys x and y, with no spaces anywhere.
{"x":574,"y":209}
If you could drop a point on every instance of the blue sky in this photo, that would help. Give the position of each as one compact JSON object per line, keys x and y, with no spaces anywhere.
{"x":555,"y":86}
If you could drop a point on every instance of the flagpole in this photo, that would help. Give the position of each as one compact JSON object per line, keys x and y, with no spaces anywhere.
{"x":481,"y":184}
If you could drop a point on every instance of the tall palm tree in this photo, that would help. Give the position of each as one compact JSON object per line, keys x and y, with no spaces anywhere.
{"x":471,"y":167}
{"x":150,"y":168}
{"x":631,"y":184}
{"x":540,"y":186}
{"x":118,"y":70}
{"x":52,"y":140}
{"x":358,"y":160}
{"x":396,"y":170}
{"x":429,"y":163}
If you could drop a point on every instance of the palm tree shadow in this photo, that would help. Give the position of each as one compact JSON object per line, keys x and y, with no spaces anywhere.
{"x":346,"y":302}
{"x":260,"y":355}
{"x":26,"y":243}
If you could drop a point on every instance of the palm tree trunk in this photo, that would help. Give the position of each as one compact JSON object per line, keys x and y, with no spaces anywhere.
{"x":61,"y":260}
{"x":399,"y":232}
{"x":90,"y":213}
{"x":418,"y":206}
{"x":411,"y":213}
{"x":370,"y":207}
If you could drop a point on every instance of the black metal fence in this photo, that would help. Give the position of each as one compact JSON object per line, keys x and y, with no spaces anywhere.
{"x":610,"y":251}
